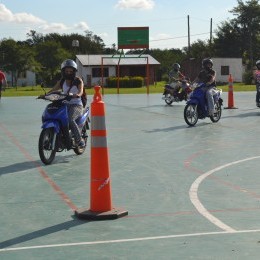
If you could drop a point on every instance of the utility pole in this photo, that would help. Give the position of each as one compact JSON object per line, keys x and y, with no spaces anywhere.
{"x":75,"y":45}
{"x":188,"y":36}
{"x":210,"y":37}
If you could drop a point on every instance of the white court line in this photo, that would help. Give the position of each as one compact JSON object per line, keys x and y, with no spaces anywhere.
{"x":193,"y":193}
{"x":127,"y":240}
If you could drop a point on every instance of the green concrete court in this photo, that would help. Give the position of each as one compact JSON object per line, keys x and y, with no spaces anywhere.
{"x":190,"y":192}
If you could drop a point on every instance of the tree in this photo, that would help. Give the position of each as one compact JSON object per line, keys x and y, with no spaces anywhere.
{"x":167,"y":58}
{"x":34,"y":38}
{"x":16,"y":58}
{"x":248,"y":18}
{"x":228,"y":41}
{"x":240,"y":36}
{"x":50,"y":55}
{"x":198,"y":50}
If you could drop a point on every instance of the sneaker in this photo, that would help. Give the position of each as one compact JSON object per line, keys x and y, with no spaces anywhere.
{"x":212,"y":112}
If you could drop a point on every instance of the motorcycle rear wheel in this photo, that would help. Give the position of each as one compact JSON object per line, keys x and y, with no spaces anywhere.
{"x":217,"y":115}
{"x":47,"y":155}
{"x":191,"y":115}
{"x":80,"y":150}
{"x":168,"y":99}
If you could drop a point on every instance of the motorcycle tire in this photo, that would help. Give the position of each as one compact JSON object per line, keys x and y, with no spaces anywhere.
{"x":47,"y":155}
{"x":191,"y":114}
{"x":81,"y":149}
{"x":168,"y":99}
{"x":217,"y":115}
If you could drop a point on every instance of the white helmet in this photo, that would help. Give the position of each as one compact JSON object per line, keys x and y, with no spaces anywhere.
{"x":69,"y":64}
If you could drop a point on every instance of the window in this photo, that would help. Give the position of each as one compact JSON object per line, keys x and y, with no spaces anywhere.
{"x":224,"y":70}
{"x":22,"y":75}
{"x":96,"y":72}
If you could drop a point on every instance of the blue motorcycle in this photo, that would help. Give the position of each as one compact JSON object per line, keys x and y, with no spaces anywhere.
{"x":56,"y":135}
{"x":196,"y":107}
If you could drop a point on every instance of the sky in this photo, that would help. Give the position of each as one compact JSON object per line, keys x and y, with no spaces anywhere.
{"x":167,"y":19}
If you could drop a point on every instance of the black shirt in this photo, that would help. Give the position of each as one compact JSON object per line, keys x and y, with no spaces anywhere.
{"x":206,"y":75}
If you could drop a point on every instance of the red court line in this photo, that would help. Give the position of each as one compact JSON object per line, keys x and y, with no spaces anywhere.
{"x":45,"y":176}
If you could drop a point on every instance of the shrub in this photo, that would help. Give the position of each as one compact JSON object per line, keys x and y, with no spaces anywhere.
{"x":125,"y":82}
{"x":248,"y":77}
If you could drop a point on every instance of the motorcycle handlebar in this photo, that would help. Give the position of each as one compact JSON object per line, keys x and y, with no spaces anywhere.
{"x":63,"y":96}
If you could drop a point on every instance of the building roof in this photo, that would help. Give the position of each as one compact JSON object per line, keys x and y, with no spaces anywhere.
{"x":109,"y":60}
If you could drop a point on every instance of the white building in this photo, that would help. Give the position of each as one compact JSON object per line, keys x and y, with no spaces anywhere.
{"x":89,"y":67}
{"x":28,"y":78}
{"x":226,"y":66}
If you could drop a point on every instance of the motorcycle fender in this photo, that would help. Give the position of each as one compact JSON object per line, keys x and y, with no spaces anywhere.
{"x":193,"y":101}
{"x":82,"y":119}
{"x":51,"y":124}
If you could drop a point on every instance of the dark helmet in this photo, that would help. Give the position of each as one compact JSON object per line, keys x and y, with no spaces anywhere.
{"x":69,"y":64}
{"x":205,"y":63}
{"x":176,"y":66}
{"x":258,"y":64}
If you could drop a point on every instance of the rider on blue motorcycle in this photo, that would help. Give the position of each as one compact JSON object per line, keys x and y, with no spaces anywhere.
{"x":207,"y":75}
{"x":70,"y":83}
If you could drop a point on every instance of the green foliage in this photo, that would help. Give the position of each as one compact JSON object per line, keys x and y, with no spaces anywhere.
{"x":16,"y":58}
{"x":248,"y":77}
{"x":50,"y":54}
{"x":125,"y":82}
{"x":238,"y":37}
{"x":158,"y":88}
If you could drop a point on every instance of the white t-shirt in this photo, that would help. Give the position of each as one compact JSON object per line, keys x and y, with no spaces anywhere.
{"x":74,"y":90}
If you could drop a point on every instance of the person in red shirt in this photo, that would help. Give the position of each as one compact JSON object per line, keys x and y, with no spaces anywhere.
{"x":2,"y":81}
{"x":257,"y":82}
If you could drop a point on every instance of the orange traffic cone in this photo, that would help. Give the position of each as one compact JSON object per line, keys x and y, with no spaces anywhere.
{"x":100,"y":184}
{"x":230,"y":93}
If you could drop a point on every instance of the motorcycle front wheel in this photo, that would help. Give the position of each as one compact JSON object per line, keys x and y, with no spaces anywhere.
{"x":191,"y":115}
{"x":46,"y":153}
{"x":80,"y":150}
{"x":168,"y":99}
{"x":217,"y":115}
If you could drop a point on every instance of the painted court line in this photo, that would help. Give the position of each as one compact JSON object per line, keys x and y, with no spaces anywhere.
{"x":45,"y":176}
{"x":127,"y":240}
{"x":193,"y":193}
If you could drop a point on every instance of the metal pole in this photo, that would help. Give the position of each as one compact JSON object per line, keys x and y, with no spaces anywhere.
{"x":188,"y":36}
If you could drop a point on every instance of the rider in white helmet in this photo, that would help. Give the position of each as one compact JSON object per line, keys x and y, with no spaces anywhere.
{"x":70,"y":83}
{"x":175,"y":77}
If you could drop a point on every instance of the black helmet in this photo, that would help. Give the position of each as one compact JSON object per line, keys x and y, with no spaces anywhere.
{"x":258,"y":64}
{"x":176,"y":66}
{"x":69,"y":64}
{"x":207,"y":61}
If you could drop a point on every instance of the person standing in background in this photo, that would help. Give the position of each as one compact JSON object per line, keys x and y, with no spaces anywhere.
{"x":2,"y":81}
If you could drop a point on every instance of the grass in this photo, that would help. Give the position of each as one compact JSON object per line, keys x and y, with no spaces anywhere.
{"x":157,"y":88}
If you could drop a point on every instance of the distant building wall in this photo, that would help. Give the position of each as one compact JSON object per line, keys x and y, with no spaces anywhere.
{"x":27,"y":78}
{"x":222,"y":66}
{"x":226,"y":66}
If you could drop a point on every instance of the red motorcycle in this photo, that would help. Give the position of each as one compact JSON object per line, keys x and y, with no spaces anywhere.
{"x":177,"y":91}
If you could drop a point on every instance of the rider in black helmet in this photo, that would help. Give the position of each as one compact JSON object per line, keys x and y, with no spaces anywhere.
{"x":207,"y":75}
{"x":70,"y":83}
